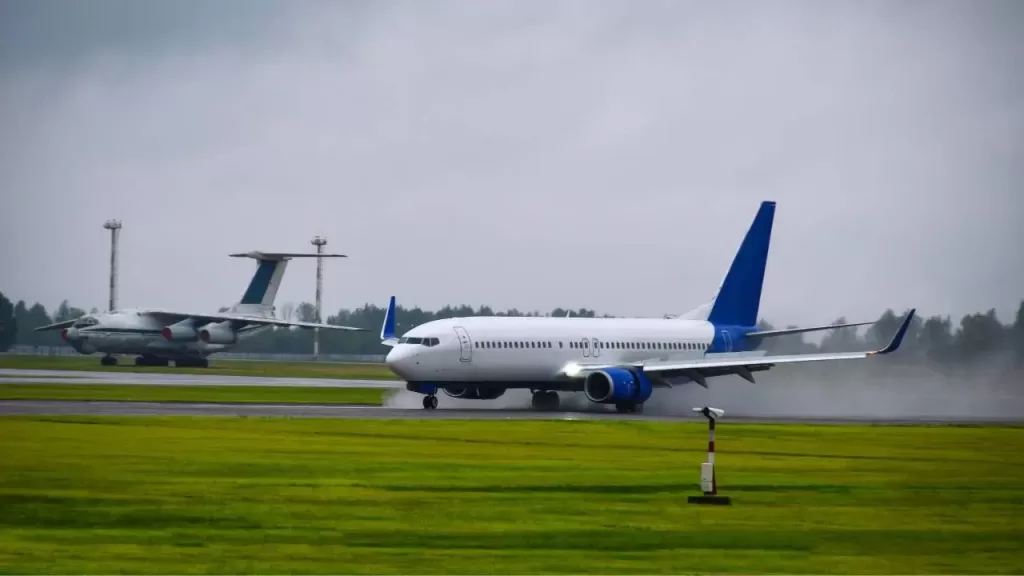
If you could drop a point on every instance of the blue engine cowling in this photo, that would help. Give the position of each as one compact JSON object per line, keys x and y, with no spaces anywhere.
{"x":615,"y":385}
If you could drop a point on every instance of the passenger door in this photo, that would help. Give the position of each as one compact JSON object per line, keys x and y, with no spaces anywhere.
{"x":465,"y":344}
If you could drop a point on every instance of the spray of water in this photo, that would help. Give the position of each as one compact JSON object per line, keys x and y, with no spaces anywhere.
{"x":988,"y":390}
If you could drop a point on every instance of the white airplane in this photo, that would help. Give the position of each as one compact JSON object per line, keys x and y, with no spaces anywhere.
{"x":616,"y":361}
{"x":160,"y":336}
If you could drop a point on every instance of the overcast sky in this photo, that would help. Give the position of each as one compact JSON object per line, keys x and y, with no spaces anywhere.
{"x":528,"y":154}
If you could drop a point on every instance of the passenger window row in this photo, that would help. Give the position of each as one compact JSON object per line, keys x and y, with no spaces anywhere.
{"x":520,"y":344}
{"x":585,"y":344}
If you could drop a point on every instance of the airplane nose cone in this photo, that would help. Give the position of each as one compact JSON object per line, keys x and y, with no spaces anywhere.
{"x":400,"y":360}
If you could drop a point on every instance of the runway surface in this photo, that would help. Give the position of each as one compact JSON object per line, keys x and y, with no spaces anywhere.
{"x":104,"y":408}
{"x":10,"y":376}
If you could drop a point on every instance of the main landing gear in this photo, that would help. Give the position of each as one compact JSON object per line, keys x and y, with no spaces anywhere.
{"x":150,"y":361}
{"x":545,"y":400}
{"x":430,"y":402}
{"x":146,"y":360}
{"x":630,"y":407}
{"x":108,"y":361}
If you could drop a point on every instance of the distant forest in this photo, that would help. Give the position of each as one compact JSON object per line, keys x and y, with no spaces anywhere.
{"x":933,"y":339}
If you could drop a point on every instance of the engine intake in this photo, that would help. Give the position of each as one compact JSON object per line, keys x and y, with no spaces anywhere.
{"x":220,"y":333}
{"x":615,"y":385}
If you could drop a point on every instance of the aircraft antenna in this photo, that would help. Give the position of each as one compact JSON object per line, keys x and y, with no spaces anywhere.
{"x":115,"y":232}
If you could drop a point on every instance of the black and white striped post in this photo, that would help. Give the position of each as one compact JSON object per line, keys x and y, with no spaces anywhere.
{"x":708,"y":481}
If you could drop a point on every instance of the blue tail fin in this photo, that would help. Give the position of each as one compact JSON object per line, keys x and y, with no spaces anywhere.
{"x":739,"y":297}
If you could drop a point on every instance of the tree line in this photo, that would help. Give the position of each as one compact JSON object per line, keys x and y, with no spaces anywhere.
{"x":933,"y":339}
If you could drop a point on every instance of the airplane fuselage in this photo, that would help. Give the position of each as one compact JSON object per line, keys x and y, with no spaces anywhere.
{"x":520,"y":350}
{"x":132,"y":332}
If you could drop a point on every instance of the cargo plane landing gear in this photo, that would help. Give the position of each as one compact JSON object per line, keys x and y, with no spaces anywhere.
{"x":545,"y":400}
{"x":108,"y":361}
{"x":430,"y":402}
{"x":150,"y":361}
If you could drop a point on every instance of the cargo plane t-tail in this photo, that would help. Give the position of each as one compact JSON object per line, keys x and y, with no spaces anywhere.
{"x":616,"y":361}
{"x":160,"y":336}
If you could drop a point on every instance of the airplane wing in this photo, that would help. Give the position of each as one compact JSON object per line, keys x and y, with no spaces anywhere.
{"x":57,"y":325}
{"x":174,"y":316}
{"x":740,"y":364}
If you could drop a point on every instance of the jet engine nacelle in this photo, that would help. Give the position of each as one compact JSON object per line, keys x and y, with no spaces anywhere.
{"x":614,"y":385}
{"x":180,"y":332}
{"x":474,"y":392}
{"x":218,"y":333}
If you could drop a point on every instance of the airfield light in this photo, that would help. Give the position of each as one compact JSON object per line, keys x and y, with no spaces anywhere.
{"x":708,"y":482}
{"x":115,"y":231}
{"x":319,"y":242}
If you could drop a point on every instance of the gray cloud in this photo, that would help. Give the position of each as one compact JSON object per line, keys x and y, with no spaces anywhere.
{"x":527,"y":154}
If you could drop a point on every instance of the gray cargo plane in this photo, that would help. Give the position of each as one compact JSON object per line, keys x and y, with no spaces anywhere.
{"x":159,"y":336}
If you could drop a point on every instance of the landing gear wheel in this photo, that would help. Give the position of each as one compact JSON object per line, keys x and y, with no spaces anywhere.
{"x":552,"y":400}
{"x":545,"y":400}
{"x":108,"y":361}
{"x":627,"y":407}
{"x":430,"y":402}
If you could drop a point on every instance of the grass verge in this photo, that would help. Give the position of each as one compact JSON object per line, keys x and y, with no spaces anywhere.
{"x":219,"y":495}
{"x":228,"y":394}
{"x":310,"y":369}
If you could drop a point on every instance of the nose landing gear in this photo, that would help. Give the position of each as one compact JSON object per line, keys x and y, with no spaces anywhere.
{"x":430,"y":402}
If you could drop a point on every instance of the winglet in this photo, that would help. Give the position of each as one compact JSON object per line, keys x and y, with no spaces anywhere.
{"x":387,"y":330}
{"x":898,"y":338}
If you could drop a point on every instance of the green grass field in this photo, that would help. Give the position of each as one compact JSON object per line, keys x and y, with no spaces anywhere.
{"x":235,"y":394}
{"x":223,"y":495}
{"x":310,"y":369}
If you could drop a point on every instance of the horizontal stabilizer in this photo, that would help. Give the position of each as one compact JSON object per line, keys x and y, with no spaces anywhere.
{"x":257,"y":255}
{"x":767,"y":333}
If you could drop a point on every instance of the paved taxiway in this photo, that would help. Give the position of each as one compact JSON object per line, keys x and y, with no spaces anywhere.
{"x":104,"y":408}
{"x":9,"y":376}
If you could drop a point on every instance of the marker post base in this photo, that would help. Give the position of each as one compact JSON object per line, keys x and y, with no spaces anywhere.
{"x":708,"y":482}
{"x":709,"y":499}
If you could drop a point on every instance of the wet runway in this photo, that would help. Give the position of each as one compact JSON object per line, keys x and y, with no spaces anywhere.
{"x":10,"y":376}
{"x":105,"y":408}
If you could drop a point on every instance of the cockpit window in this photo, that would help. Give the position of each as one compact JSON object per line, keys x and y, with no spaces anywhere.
{"x":419,"y":340}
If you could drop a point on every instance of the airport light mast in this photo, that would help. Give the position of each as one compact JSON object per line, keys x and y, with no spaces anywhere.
{"x":319,"y":242}
{"x":115,"y":231}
